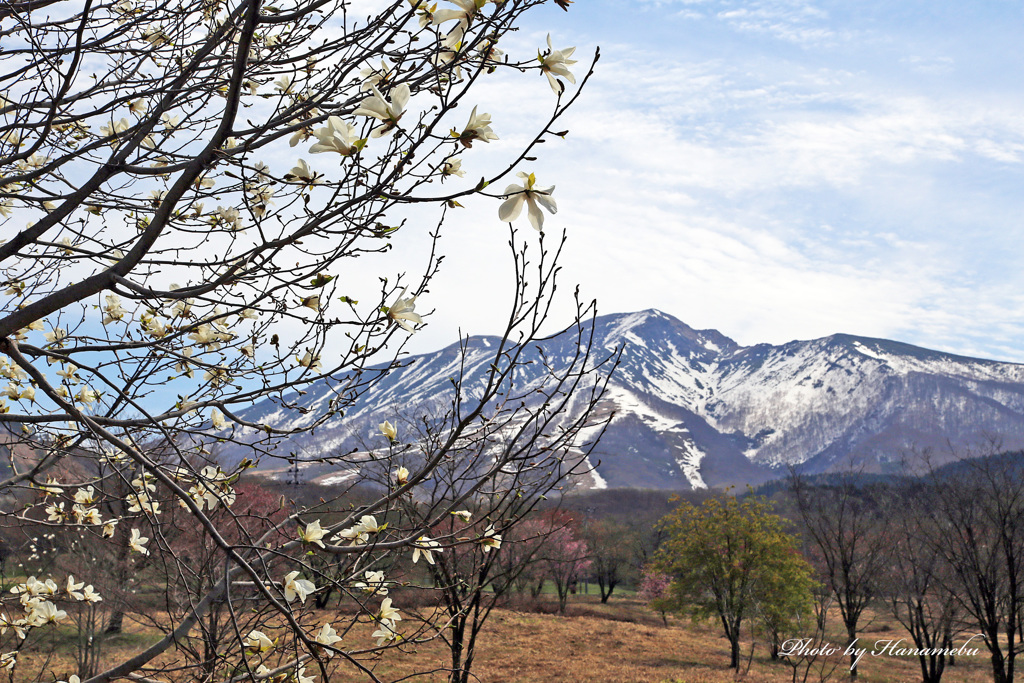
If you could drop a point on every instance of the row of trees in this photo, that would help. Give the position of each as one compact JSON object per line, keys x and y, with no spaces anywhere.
{"x":942,"y":554}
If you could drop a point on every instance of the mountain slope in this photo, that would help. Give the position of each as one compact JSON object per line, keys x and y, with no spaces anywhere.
{"x":693,"y":408}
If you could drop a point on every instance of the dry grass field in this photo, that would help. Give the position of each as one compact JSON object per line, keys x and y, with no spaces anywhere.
{"x":624,"y":642}
{"x":621,"y":642}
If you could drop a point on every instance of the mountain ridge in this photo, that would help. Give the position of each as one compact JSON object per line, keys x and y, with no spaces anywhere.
{"x":693,"y":408}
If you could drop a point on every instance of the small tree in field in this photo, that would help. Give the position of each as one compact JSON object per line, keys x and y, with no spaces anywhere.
{"x":183,"y":187}
{"x":852,"y":541}
{"x":654,"y":591}
{"x":562,"y":555}
{"x":608,"y":546}
{"x":732,"y":559}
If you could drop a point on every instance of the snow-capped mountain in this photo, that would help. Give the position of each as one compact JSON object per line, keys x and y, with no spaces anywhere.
{"x":692,"y":408}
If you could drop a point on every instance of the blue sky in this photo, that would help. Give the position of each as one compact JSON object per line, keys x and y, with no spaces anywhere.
{"x":775,"y":170}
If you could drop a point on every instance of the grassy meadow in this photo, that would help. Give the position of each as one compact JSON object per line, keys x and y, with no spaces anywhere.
{"x":622,"y":641}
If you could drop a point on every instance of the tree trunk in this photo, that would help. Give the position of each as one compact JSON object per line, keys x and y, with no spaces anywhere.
{"x":458,"y":675}
{"x":116,"y":621}
{"x":851,"y":632}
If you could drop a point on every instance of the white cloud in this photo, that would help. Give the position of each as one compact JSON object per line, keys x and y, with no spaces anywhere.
{"x":769,"y":198}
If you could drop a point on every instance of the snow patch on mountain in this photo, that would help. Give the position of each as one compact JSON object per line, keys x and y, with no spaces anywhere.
{"x":695,"y":403}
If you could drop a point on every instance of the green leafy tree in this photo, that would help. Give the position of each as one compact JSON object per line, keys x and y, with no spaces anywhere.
{"x":733,"y":560}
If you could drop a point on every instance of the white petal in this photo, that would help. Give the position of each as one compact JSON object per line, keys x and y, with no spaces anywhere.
{"x":511,"y":207}
{"x":400,"y":96}
{"x":556,"y":87}
{"x":547,"y":201}
{"x":535,"y":214}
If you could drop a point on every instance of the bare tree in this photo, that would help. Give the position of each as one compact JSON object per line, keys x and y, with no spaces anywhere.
{"x":489,"y":484}
{"x":849,"y":530}
{"x":974,"y":512}
{"x":608,"y":544}
{"x":918,"y":584}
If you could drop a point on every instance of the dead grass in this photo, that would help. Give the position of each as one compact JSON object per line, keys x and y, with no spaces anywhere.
{"x":622,"y":641}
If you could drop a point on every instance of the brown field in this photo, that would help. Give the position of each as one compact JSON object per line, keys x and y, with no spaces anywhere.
{"x":622,"y":641}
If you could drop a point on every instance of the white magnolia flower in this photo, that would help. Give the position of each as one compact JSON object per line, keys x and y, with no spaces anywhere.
{"x":68,"y":374}
{"x":56,"y":337}
{"x":311,"y":361}
{"x":217,"y":419}
{"x":297,"y":588}
{"x":155,"y":37}
{"x":556,"y":63}
{"x":313,"y":533}
{"x":389,"y":113}
{"x":113,"y":310}
{"x":478,"y":128}
{"x":464,"y":515}
{"x":45,"y":612}
{"x":369,"y":524}
{"x":490,"y":52}
{"x":425,"y":547}
{"x":257,"y":642}
{"x":301,"y":677}
{"x":425,"y":11}
{"x":401,"y":476}
{"x":446,"y":57}
{"x":328,"y":636}
{"x":114,"y":129}
{"x":359,"y":534}
{"x":302,"y":172}
{"x":73,"y":588}
{"x":387,"y":613}
{"x":55,"y":512}
{"x":85,"y":495}
{"x":385,"y":634}
{"x":403,"y":311}
{"x":87,"y":395}
{"x":389,"y":430}
{"x":217,"y":376}
{"x":374,"y":584}
{"x":355,"y":535}
{"x":337,"y":136}
{"x":283,"y":85}
{"x":467,"y":9}
{"x":533,"y":197}
{"x":228,"y":216}
{"x":490,"y":539}
{"x":90,"y":595}
{"x":373,"y":76}
{"x":138,"y":542}
{"x":453,"y":166}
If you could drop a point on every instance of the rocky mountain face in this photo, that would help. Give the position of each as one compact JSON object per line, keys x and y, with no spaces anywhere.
{"x":692,"y":408}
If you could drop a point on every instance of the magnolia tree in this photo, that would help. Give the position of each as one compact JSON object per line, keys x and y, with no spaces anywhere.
{"x":181,"y":187}
{"x":493,"y":514}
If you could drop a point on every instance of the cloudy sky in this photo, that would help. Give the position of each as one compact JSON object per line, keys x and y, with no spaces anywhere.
{"x":773,"y":169}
